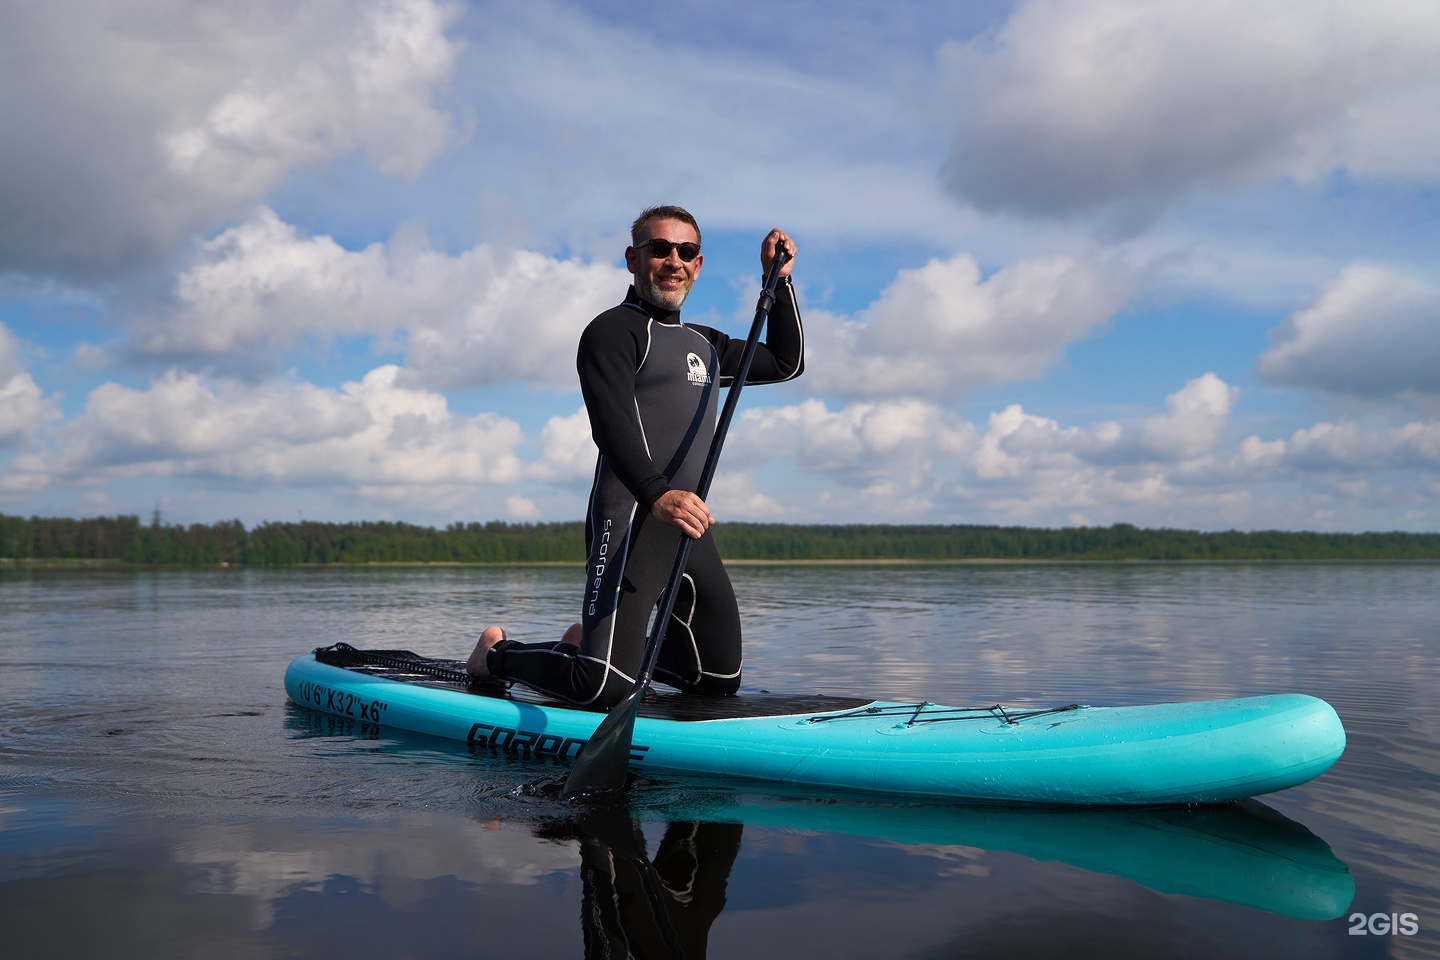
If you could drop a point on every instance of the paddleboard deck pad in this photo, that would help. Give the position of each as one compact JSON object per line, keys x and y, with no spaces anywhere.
{"x":1202,"y":752}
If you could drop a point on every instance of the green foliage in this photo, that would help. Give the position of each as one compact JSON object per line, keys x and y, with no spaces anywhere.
{"x":126,"y":540}
{"x":273,"y":544}
{"x":1122,"y":541}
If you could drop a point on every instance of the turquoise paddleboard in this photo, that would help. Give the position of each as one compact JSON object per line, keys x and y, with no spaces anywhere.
{"x":1202,"y":752}
{"x":1243,"y":852}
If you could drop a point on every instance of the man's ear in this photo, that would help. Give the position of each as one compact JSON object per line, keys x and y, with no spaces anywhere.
{"x":630,"y":259}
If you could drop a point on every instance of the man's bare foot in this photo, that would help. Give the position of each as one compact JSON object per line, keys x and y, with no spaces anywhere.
{"x":476,"y":665}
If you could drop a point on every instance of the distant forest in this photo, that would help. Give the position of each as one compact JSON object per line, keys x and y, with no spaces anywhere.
{"x":125,"y":539}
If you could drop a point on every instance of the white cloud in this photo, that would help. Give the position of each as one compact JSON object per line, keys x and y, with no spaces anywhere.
{"x":316,"y":80}
{"x":1019,"y":444}
{"x":1350,"y":446}
{"x":910,"y":460}
{"x":736,"y":494}
{"x":521,"y":319}
{"x":1196,"y":419}
{"x":181,"y":420}
{"x":857,"y":443}
{"x":373,"y":434}
{"x":23,"y":407}
{"x":260,"y":286}
{"x":1371,"y":332}
{"x":484,"y":317}
{"x":521,"y":508}
{"x":567,"y":453}
{"x":941,"y":329}
{"x":887,"y":454}
{"x":128,"y":126}
{"x":408,"y":849}
{"x":910,"y":457}
{"x":1078,"y":106}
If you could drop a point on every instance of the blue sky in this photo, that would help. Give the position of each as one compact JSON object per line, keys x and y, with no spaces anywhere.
{"x":1061,"y":262}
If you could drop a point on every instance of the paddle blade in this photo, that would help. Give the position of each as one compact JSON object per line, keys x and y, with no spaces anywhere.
{"x":604,"y":761}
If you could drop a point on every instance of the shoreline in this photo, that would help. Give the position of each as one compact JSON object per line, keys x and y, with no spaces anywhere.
{"x":78,"y":563}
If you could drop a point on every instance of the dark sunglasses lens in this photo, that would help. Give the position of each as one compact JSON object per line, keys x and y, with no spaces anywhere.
{"x":662,"y":248}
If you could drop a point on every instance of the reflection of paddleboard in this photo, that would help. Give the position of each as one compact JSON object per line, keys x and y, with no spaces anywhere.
{"x":1201,"y":752}
{"x":1243,"y":853}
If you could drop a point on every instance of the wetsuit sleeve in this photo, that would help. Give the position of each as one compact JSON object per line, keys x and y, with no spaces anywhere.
{"x":611,"y":351}
{"x":780,"y":356}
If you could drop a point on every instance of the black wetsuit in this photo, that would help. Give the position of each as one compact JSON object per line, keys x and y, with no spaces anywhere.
{"x":634,"y":908}
{"x":651,"y":392}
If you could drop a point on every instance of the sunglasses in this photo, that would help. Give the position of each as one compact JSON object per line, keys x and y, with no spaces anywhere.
{"x":661,"y":249}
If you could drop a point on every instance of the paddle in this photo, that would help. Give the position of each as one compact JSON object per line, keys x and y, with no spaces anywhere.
{"x":602,"y":763}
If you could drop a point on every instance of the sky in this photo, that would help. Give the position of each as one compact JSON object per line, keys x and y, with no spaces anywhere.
{"x":1060,"y":262}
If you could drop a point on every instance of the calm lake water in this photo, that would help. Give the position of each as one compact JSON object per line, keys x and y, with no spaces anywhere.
{"x":159,"y":797}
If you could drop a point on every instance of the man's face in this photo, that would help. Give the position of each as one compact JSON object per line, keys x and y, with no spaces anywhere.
{"x":663,"y":281}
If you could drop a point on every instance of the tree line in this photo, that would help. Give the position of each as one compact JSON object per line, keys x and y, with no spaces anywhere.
{"x":126,"y":539}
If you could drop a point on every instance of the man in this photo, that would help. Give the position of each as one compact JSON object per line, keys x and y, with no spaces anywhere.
{"x":651,"y":384}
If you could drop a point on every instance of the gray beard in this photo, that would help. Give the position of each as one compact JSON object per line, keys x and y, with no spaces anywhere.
{"x":665,"y":301}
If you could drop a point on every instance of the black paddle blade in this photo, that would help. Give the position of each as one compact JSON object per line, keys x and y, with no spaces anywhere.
{"x":604,"y":761}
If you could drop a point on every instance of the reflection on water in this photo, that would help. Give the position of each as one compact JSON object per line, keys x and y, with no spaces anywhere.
{"x":1244,"y":853}
{"x":519,"y":872}
{"x":634,"y":907}
{"x":151,"y":770}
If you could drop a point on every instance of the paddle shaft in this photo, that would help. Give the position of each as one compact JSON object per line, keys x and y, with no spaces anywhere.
{"x":603,"y":761}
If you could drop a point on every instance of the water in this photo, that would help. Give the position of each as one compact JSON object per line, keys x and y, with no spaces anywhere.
{"x":160,"y":798}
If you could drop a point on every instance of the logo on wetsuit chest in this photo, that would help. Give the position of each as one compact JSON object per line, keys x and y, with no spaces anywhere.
{"x":698,"y":373}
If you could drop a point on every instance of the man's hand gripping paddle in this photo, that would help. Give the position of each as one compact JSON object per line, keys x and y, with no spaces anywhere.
{"x":604,"y":760}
